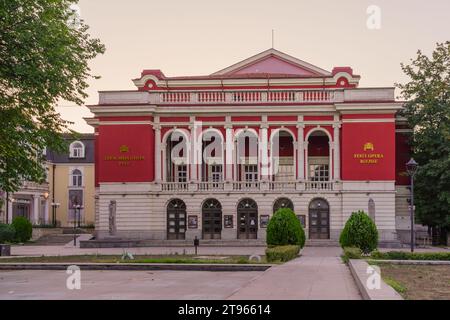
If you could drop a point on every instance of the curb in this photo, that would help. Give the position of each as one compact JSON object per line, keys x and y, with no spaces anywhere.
{"x":136,"y":266}
{"x":358,"y":269}
{"x":413,"y":262}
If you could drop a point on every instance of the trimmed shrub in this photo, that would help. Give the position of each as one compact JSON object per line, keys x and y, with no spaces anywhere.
{"x":282,"y":253}
{"x":7,"y":233}
{"x":284,"y":228}
{"x":361,"y":232}
{"x":23,"y":228}
{"x":403,"y":255}
{"x":352,"y":253}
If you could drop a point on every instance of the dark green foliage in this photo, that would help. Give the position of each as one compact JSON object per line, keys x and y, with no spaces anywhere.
{"x":404,"y":255}
{"x":284,"y":228}
{"x":44,"y":59}
{"x":352,"y":253}
{"x":23,"y":228}
{"x":282,"y":253}
{"x":7,"y":233}
{"x":360,"y":232}
{"x":427,"y":110}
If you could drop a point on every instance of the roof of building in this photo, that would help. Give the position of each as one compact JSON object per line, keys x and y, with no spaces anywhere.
{"x":87,"y":139}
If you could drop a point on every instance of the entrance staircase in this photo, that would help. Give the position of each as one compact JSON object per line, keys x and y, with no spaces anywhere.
{"x":57,"y":239}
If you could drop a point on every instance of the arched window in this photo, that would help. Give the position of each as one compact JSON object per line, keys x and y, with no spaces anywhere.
{"x":282,"y":203}
{"x":372,"y":209}
{"x":77,"y":178}
{"x":76,"y":149}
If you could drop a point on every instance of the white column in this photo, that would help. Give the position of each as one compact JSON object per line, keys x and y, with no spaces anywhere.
{"x":330,"y":160}
{"x":336,"y":152}
{"x":305,"y":149}
{"x":35,"y":209}
{"x":300,"y":152}
{"x":46,"y":217}
{"x":229,"y":153}
{"x":263,"y":151}
{"x":192,"y":158}
{"x":157,"y":152}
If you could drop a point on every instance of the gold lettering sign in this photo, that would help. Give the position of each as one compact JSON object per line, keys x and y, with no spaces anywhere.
{"x":123,"y":160}
{"x":368,"y":158}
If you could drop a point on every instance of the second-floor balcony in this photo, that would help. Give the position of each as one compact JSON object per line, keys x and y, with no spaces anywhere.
{"x":248,"y":186}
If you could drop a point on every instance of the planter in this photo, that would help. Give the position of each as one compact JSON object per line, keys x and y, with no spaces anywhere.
{"x":5,"y":250}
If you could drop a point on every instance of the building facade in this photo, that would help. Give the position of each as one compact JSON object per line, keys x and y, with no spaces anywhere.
{"x":214,"y":156}
{"x":71,"y":182}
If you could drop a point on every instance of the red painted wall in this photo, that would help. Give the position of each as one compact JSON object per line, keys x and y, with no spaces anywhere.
{"x":403,"y":154}
{"x":140,"y":142}
{"x":382,"y":136}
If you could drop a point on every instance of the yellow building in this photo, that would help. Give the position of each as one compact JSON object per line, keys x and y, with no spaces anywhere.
{"x":71,"y":179}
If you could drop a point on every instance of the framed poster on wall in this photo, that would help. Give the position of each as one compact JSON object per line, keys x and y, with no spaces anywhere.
{"x":192,"y":222}
{"x":263,"y":221}
{"x":302,"y":219}
{"x":228,"y":221}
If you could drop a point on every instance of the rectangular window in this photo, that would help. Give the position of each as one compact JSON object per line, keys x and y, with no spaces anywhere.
{"x":216,"y":173}
{"x":182,"y":173}
{"x":251,"y":172}
{"x":318,"y":172}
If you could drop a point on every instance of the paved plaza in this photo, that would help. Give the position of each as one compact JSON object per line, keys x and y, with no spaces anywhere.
{"x":318,"y":274}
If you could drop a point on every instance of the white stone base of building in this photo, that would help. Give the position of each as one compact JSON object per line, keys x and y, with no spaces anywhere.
{"x":141,"y":213}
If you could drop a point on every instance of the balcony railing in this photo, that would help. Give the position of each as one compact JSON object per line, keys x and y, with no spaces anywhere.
{"x":318,"y":185}
{"x":175,"y":186}
{"x":256,"y":186}
{"x":245,"y":186}
{"x":282,"y":185}
{"x":233,"y":97}
{"x":246,"y":96}
{"x":210,"y":186}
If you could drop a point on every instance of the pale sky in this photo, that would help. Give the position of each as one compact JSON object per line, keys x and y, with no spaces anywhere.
{"x":198,"y":37}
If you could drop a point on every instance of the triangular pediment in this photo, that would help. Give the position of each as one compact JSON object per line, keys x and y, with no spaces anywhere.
{"x":273,"y":62}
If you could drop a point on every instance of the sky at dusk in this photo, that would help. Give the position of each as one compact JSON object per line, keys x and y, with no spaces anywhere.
{"x":199,"y":37}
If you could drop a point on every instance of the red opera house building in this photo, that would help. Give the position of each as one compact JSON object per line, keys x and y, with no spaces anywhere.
{"x":214,"y":156}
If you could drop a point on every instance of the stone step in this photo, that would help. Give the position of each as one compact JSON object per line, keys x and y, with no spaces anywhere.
{"x":53,"y":239}
{"x":322,"y":243}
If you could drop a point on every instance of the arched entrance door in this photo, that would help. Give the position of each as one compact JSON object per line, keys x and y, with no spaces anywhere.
{"x":247,"y":212}
{"x":319,"y":219}
{"x":211,"y":219}
{"x":176,"y":220}
{"x":282,"y":203}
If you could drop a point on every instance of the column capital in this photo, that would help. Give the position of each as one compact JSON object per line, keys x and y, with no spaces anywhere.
{"x":336,"y":125}
{"x":300,"y":126}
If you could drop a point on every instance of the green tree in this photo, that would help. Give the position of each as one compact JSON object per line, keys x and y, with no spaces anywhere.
{"x":428,"y":112}
{"x":44,"y":54}
{"x":284,"y":228}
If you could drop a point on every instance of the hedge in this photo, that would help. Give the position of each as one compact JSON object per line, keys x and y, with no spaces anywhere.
{"x":282,"y":253}
{"x":352,"y":253}
{"x":361,"y":232}
{"x":284,"y":228}
{"x":403,"y":255}
{"x":7,"y":233}
{"x":23,"y":228}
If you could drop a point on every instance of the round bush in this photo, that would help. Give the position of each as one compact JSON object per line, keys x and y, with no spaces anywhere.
{"x":361,"y":232}
{"x":7,"y":233}
{"x":23,"y":228}
{"x":284,"y":228}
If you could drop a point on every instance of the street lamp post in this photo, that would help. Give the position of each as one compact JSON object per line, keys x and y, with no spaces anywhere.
{"x":54,"y":206}
{"x":411,"y":168}
{"x":77,"y":208}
